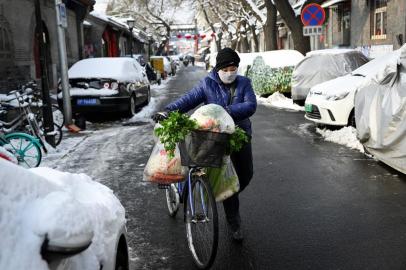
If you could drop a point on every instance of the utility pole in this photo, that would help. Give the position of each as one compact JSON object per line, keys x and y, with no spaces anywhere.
{"x":61,"y":20}
{"x":46,"y":99}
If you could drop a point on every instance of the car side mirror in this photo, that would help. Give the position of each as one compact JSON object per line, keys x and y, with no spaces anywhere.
{"x":55,"y":250}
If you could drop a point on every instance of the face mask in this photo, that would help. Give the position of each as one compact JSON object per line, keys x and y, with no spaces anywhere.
{"x":227,"y":77}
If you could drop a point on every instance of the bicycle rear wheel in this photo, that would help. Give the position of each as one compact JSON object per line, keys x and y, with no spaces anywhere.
{"x":201,"y":223}
{"x":25,"y":149}
{"x":172,"y":199}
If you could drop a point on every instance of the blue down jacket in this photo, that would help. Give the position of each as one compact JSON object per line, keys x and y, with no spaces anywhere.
{"x":210,"y":90}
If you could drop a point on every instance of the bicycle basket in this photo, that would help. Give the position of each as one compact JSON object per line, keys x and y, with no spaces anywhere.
{"x":203,"y":149}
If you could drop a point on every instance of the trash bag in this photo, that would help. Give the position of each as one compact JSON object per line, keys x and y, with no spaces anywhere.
{"x":214,"y":118}
{"x":223,"y":181}
{"x":163,"y":170}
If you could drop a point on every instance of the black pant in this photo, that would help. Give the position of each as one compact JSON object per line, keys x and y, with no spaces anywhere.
{"x":242,"y":162}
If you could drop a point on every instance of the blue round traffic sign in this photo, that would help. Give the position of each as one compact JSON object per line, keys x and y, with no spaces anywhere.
{"x":313,"y":15}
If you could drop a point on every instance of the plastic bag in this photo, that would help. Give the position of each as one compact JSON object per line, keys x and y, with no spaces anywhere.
{"x":214,"y":118}
{"x":163,"y":170}
{"x":223,"y":181}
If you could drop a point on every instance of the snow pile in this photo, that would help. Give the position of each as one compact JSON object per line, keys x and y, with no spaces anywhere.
{"x":64,"y":206}
{"x":346,"y":136}
{"x":330,"y":52}
{"x":278,"y":100}
{"x":4,"y":97}
{"x":93,"y":92}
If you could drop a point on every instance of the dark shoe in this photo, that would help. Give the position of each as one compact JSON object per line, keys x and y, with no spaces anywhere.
{"x":238,"y":236}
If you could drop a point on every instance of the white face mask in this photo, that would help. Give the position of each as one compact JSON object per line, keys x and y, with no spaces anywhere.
{"x":227,"y":77}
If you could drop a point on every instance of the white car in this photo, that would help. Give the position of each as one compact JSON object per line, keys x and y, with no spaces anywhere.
{"x":51,"y":220}
{"x":332,"y":102}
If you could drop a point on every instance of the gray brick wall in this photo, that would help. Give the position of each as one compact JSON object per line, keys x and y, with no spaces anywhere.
{"x":361,"y":23}
{"x":20,"y":15}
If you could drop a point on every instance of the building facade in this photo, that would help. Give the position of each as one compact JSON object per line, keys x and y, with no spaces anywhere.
{"x":378,"y":26}
{"x":19,"y":49}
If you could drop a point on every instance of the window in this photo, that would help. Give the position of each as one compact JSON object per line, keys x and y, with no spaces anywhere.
{"x":379,"y":19}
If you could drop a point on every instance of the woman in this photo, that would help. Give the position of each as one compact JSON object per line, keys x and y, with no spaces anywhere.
{"x":234,"y":93}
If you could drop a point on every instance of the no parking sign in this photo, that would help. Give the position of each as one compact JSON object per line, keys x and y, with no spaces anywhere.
{"x":313,"y":15}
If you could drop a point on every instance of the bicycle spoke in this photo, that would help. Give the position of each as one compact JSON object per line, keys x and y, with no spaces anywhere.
{"x":28,"y":147}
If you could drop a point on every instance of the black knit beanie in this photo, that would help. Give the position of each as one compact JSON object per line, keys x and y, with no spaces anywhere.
{"x":225,"y":58}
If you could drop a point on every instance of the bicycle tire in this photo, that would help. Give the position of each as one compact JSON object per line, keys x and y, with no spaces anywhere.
{"x":203,"y":246}
{"x":16,"y":142}
{"x":59,"y":117}
{"x":172,"y":199}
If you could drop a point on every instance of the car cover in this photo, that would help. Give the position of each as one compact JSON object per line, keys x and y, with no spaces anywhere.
{"x":318,"y":68}
{"x":380,"y":113}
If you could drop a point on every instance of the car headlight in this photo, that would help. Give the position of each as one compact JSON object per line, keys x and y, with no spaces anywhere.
{"x":338,"y":96}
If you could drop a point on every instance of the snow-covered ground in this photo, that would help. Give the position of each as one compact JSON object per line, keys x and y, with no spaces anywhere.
{"x":346,"y":136}
{"x":67,"y":208}
{"x":278,"y":100}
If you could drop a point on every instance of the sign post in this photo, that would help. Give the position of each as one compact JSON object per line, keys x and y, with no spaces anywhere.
{"x":313,"y":17}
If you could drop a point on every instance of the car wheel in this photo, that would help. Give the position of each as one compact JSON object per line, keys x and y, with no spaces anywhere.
{"x":122,"y":256}
{"x":132,"y":107}
{"x":351,"y":120}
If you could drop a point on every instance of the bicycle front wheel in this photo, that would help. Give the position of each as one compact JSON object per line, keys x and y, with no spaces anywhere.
{"x":25,"y":149}
{"x":201,"y":223}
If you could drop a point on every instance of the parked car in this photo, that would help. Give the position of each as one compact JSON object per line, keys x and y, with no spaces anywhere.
{"x":53,"y":216}
{"x":332,"y":102}
{"x":152,"y":75}
{"x":380,"y":113}
{"x":109,"y":84}
{"x":321,"y":66}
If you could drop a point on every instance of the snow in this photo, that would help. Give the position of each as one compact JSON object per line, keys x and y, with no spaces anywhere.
{"x":278,"y":100}
{"x":330,"y":51}
{"x":75,"y":92}
{"x":346,"y":136}
{"x":274,"y":59}
{"x":63,"y":206}
{"x":255,"y":8}
{"x":123,"y":69}
{"x":6,"y":98}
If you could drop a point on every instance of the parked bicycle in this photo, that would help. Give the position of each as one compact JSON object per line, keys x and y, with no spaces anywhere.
{"x":24,"y":147}
{"x":26,"y":119}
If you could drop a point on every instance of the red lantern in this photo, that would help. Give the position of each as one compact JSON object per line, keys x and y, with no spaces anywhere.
{"x":187,"y":36}
{"x":179,"y":36}
{"x":195,"y":37}
{"x":202,"y":36}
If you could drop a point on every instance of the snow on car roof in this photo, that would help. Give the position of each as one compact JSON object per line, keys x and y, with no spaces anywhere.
{"x":330,"y":51}
{"x":63,"y":206}
{"x":117,"y":68}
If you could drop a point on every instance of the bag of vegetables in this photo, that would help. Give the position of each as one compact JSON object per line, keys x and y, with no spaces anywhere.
{"x":214,"y":118}
{"x":223,"y":181}
{"x":164,"y":167}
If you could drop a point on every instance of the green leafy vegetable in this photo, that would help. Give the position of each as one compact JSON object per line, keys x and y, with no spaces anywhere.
{"x":237,"y":140}
{"x":173,"y":130}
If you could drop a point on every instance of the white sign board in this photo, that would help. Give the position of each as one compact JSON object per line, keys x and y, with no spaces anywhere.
{"x":312,"y":30}
{"x":62,"y":16}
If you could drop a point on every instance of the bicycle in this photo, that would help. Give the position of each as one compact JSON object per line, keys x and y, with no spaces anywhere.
{"x":27,"y":119}
{"x":24,"y":147}
{"x":200,"y":209}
